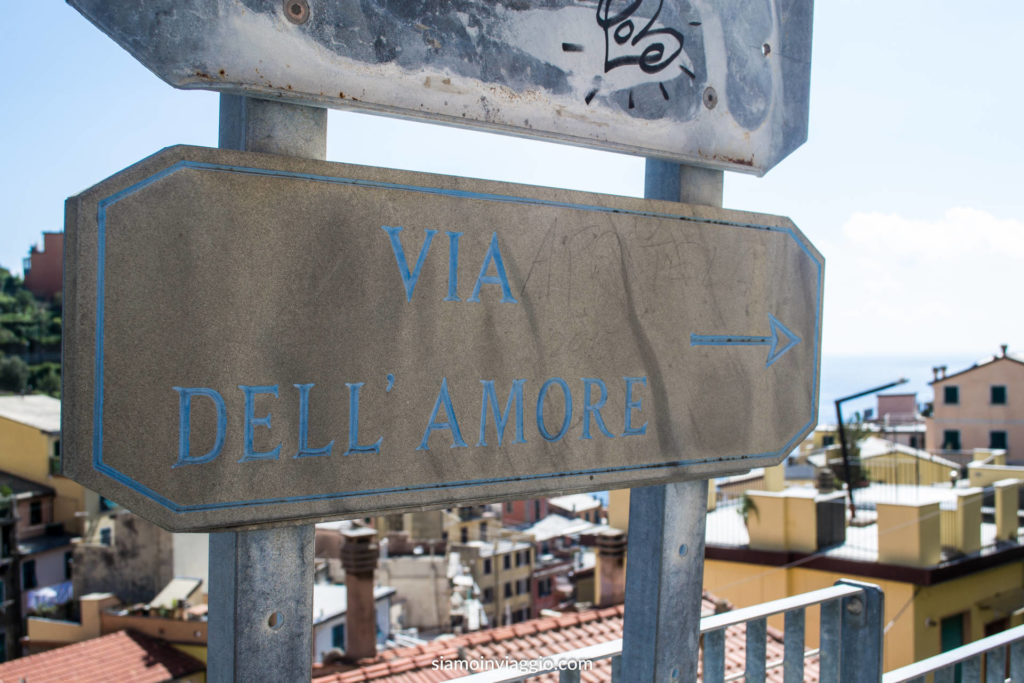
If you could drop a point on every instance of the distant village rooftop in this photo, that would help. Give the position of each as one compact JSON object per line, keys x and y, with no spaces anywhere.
{"x":34,"y":410}
{"x":331,"y":600}
{"x":554,"y":526}
{"x":496,"y":547}
{"x":576,"y":502}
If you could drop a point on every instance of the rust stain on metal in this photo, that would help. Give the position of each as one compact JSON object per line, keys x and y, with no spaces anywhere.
{"x":725,"y":158}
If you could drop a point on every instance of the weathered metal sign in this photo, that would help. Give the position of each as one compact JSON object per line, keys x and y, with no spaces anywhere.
{"x":722,"y":84}
{"x":252,"y":338}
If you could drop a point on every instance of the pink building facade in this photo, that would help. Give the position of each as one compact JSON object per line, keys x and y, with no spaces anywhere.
{"x":980,"y":407}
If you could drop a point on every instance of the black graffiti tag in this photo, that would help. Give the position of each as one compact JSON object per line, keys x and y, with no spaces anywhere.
{"x":619,"y":27}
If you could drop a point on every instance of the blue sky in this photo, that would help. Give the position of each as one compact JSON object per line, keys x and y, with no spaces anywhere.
{"x":909,"y":182}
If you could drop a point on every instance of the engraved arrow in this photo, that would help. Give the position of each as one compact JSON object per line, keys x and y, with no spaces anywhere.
{"x":779,"y":341}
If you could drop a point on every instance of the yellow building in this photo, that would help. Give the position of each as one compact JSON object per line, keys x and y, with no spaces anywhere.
{"x":948,"y":578}
{"x":30,"y":448}
{"x":888,"y":462}
{"x":503,"y":571}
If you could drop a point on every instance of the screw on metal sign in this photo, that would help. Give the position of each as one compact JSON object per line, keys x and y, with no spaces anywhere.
{"x":722,"y":85}
{"x":321,"y":340}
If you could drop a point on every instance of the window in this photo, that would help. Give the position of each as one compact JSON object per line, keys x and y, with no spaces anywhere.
{"x":544,"y":587}
{"x":827,"y":440}
{"x":951,"y":440}
{"x":105,"y":536}
{"x":55,"y":458}
{"x":483,"y":531}
{"x":28,"y":575}
{"x":3,"y":592}
{"x":488,"y":595}
{"x":951,"y":395}
{"x":527,"y":554}
{"x":487,"y":566}
{"x":68,"y":564}
{"x":508,"y":589}
{"x":508,"y":507}
{"x":998,"y":395}
{"x":508,"y":561}
{"x":536,"y":510}
{"x":997,"y":439}
{"x":338,"y":636}
{"x":464,"y":535}
{"x":519,"y":559}
{"x":35,"y":512}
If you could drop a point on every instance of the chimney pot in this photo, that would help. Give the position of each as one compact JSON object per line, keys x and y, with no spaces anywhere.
{"x":611,"y":568}
{"x":359,"y":558}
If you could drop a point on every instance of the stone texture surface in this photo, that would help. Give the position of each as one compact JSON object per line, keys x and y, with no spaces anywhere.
{"x":214,"y":269}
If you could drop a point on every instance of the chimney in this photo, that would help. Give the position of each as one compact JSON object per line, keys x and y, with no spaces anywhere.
{"x":1003,"y":347}
{"x":935,"y":372}
{"x":942,"y":369}
{"x":359,"y":558}
{"x":610,"y":576}
{"x":909,"y":534}
{"x":962,"y":525}
{"x":92,"y":607}
{"x":775,"y":477}
{"x":1006,"y":509}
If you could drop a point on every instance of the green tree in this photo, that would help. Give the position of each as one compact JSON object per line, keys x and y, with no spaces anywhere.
{"x":14,"y":374}
{"x":45,"y":378}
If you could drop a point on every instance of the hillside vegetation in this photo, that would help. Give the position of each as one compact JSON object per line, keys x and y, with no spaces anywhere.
{"x":30,"y":332}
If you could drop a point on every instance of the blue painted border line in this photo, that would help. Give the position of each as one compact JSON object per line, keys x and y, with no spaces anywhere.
{"x":727,"y":339}
{"x":120,"y":477}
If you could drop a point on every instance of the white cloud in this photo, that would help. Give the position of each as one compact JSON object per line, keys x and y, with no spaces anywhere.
{"x":908,"y":285}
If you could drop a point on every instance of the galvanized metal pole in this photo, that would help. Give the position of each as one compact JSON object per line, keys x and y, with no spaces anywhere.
{"x":665,"y":556}
{"x":261,"y":582}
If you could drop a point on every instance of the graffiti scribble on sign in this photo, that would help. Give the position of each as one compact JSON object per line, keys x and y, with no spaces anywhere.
{"x":647,"y":47}
{"x":633,"y":39}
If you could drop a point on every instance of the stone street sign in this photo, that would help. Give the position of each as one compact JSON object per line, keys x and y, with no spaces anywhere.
{"x":253,"y":339}
{"x":718,"y":84}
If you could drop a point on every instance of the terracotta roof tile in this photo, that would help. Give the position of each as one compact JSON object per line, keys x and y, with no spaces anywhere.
{"x":478,"y":637}
{"x":524,"y":628}
{"x":544,"y":637}
{"x":502,"y":632}
{"x":126,"y":655}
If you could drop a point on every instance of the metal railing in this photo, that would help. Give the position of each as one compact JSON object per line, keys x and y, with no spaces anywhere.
{"x":993,"y":655}
{"x":850,"y":638}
